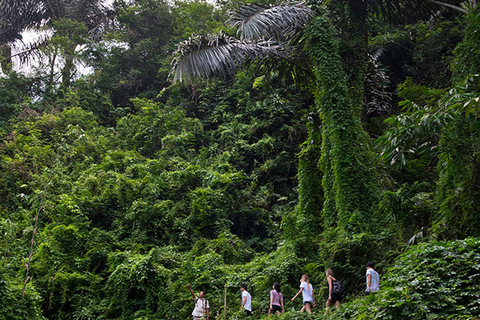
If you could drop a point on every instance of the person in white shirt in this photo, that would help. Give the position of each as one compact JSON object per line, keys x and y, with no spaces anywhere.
{"x":373,"y":279}
{"x":306,"y":289}
{"x":201,"y":305}
{"x":246,"y":299}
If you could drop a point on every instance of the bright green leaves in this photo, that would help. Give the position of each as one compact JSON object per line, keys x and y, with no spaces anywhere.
{"x":14,"y":91}
{"x":459,"y":145}
{"x":443,"y":127}
{"x":306,"y":220}
{"x":465,"y":98}
{"x":158,"y":128}
{"x":67,"y":44}
{"x":467,"y":57}
{"x":232,"y":249}
{"x":137,"y":282}
{"x":414,"y":133}
{"x":429,"y":281}
{"x":197,"y":17}
{"x":145,"y":22}
{"x":13,"y":306}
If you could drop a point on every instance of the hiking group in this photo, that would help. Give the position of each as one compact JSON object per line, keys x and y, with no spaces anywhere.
{"x":335,"y":294}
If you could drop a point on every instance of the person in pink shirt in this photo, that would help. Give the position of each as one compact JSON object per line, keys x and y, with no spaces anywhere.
{"x":276,"y":300}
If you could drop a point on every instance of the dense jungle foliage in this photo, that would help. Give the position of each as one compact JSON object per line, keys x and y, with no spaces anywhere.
{"x":151,"y":144}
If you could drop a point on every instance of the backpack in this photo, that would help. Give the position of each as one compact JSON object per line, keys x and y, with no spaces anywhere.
{"x":337,"y":287}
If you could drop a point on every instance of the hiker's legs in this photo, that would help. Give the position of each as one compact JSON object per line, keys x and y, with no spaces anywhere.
{"x":307,"y":307}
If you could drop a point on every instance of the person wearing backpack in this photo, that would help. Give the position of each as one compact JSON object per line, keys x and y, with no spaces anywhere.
{"x":201,"y":305}
{"x":335,"y":290}
{"x":373,"y":279}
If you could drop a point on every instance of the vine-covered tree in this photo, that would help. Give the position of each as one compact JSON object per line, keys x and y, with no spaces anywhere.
{"x":350,"y":184}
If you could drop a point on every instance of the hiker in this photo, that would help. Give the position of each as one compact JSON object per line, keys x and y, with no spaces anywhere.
{"x":307,"y":292}
{"x":246,"y":299}
{"x":276,"y":300}
{"x":373,"y":279}
{"x":334,"y":288}
{"x":201,"y":305}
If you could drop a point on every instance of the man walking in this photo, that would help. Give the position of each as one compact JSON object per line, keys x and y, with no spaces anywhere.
{"x":373,"y":279}
{"x":246,"y":299}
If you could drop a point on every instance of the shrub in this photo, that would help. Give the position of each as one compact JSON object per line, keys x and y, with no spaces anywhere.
{"x":434,"y":280}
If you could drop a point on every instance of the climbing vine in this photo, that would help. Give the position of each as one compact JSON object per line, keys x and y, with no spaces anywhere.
{"x":350,"y":180}
{"x":458,"y":191}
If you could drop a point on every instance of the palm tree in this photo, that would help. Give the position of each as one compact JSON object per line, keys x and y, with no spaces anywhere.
{"x":15,"y":16}
{"x":18,"y":16}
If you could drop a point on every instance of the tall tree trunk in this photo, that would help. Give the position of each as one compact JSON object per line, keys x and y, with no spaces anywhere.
{"x":349,"y":171}
{"x":6,"y":58}
{"x":67,"y":72}
{"x":51,"y":78}
{"x":310,"y":193}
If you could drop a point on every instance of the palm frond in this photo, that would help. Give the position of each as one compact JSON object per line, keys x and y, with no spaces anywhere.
{"x":15,"y":16}
{"x":204,"y":57}
{"x":220,"y":55}
{"x":293,"y":66}
{"x":269,"y":39}
{"x":28,"y":51}
{"x":407,"y":10}
{"x":451,"y":6}
{"x":255,"y":21}
{"x":91,"y":12}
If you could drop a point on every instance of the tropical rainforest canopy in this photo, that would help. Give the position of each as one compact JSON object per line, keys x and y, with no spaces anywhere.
{"x":151,"y":144}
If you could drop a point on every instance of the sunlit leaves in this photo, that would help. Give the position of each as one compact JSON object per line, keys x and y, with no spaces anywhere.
{"x":465,"y":97}
{"x":431,"y":280}
{"x":412,"y":134}
{"x":416,"y":132}
{"x":134,"y":283}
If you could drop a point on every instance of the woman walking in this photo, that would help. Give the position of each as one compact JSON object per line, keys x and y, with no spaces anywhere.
{"x":276,"y":300}
{"x":306,"y":289}
{"x":333,"y":298}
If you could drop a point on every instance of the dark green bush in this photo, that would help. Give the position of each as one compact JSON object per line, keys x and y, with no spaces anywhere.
{"x":13,"y":305}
